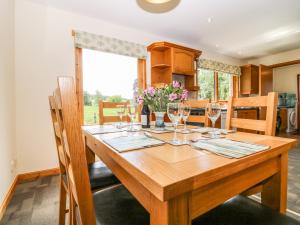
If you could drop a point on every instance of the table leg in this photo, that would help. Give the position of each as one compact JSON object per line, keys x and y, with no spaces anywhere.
{"x":90,"y":155}
{"x":274,"y":193}
{"x":173,"y":212}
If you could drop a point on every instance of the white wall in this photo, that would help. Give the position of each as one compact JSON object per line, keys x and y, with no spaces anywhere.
{"x":278,"y":58}
{"x":44,"y":50}
{"x":6,"y":95}
{"x":284,"y":78}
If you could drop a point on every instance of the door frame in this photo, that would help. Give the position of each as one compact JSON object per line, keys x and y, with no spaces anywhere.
{"x":298,"y":102}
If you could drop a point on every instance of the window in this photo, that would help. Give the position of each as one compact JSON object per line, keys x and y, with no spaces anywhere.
{"x":109,"y":77}
{"x":224,"y":86}
{"x":206,"y":83}
{"x":214,"y":85}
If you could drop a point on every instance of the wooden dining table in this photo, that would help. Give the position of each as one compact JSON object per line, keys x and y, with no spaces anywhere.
{"x":176,"y":184}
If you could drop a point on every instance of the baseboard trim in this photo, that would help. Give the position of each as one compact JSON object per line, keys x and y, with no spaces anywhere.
{"x":23,"y":178}
{"x":36,"y":174}
{"x":8,"y":196}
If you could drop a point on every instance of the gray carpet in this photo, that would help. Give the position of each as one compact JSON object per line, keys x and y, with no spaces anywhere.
{"x":36,"y":202}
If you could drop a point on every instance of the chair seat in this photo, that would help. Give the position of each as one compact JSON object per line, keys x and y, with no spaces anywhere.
{"x":117,"y":206}
{"x":101,"y":176}
{"x":241,"y":210}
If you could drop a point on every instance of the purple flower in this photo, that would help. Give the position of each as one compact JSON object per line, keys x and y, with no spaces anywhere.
{"x":140,"y":100}
{"x":176,"y":84}
{"x":172,"y":97}
{"x":151,"y":91}
{"x":184,"y":95}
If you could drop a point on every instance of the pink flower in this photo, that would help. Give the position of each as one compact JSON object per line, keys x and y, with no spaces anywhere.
{"x":184,"y":95}
{"x":140,"y":100}
{"x":176,"y":84}
{"x":151,"y":91}
{"x":172,"y":97}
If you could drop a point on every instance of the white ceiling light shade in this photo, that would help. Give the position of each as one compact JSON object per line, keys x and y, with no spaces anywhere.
{"x":158,"y":1}
{"x":158,"y":6}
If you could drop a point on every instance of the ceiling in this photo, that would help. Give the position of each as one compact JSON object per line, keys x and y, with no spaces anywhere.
{"x":242,"y":29}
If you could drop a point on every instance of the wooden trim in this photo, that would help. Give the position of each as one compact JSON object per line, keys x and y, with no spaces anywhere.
{"x":8,"y":197}
{"x":216,"y":86}
{"x":289,"y":63}
{"x":142,"y":77}
{"x":79,"y":82}
{"x":172,"y":45}
{"x":21,"y":178}
{"x":36,"y":174}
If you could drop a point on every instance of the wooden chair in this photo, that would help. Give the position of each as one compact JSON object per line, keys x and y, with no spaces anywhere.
{"x":196,"y":118}
{"x":64,"y":189}
{"x":107,"y":201}
{"x":111,"y":105}
{"x":267,"y":126}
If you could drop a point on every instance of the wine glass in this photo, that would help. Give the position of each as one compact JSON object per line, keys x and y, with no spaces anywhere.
{"x":132,"y":111}
{"x":213,"y":112}
{"x":174,"y":111}
{"x":121,"y":113}
{"x":186,"y":110}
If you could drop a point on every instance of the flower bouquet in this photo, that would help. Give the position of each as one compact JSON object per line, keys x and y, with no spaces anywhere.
{"x":158,"y":98}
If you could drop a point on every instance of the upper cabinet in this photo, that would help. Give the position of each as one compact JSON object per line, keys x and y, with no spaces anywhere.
{"x":168,"y":59}
{"x":183,"y":62}
{"x":249,"y":79}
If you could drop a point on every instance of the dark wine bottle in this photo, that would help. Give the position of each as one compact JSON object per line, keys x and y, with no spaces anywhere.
{"x":145,"y":117}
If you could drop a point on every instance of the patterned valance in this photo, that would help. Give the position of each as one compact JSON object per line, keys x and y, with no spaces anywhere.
{"x":218,"y":66}
{"x":108,"y":44}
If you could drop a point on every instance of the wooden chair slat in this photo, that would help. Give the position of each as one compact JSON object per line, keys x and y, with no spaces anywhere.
{"x":260,"y":101}
{"x":258,"y":125}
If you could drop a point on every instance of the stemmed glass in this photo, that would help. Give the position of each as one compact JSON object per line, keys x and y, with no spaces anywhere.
{"x":186,"y":110}
{"x":174,"y":111}
{"x":213,"y":112}
{"x":132,"y":111}
{"x":121,"y":113}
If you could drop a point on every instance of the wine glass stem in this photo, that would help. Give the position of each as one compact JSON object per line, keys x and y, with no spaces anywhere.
{"x":184,"y":125}
{"x":175,"y":133}
{"x":213,"y":125}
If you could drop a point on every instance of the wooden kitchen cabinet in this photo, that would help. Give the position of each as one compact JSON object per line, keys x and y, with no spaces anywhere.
{"x":284,"y":120}
{"x":249,"y":79}
{"x":183,"y":62}
{"x":168,"y":59}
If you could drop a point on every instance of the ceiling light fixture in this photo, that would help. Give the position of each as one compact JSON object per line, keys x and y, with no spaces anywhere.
{"x":158,"y":1}
{"x":158,"y":6}
{"x":209,"y":19}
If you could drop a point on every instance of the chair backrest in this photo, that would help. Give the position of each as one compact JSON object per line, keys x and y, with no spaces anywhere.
{"x":57,"y":135}
{"x":197,"y":118}
{"x":267,"y":126}
{"x":74,"y":151}
{"x":111,"y":105}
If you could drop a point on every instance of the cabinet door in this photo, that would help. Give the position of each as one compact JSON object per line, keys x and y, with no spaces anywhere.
{"x":254,"y":79}
{"x":245,"y":80}
{"x":183,"y":62}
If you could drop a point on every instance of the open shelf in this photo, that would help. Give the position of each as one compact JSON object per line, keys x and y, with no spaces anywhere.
{"x":161,"y":66}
